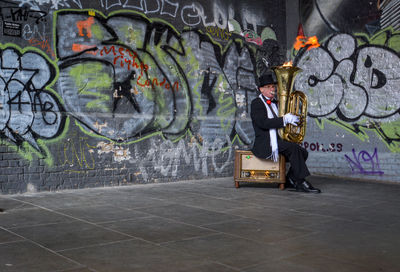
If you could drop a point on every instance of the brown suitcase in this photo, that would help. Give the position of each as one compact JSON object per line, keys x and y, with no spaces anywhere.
{"x":249,"y":168}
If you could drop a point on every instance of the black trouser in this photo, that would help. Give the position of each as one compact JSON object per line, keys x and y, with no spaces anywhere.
{"x":296,"y":156}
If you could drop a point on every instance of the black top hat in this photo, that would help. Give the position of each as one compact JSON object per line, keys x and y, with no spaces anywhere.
{"x":266,"y":79}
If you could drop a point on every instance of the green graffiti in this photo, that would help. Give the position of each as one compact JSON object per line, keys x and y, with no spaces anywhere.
{"x":196,"y":91}
{"x":390,"y":132}
{"x":357,"y":131}
{"x":27,"y":151}
{"x":91,"y":81}
{"x":191,"y":67}
{"x":144,"y":82}
{"x":189,"y":62}
{"x":268,"y":33}
{"x":387,"y":37}
{"x":235,"y":26}
{"x":97,"y":32}
{"x":177,"y":87}
{"x":379,"y":38}
{"x":227,"y":107}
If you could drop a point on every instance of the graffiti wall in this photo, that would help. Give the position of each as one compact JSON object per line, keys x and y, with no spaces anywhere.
{"x":116,"y":92}
{"x":352,"y":82}
{"x":107,"y":93}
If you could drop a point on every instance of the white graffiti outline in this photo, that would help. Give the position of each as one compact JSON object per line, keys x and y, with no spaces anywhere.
{"x":176,"y":5}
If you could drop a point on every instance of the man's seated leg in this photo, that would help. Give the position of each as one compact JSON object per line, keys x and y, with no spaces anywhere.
{"x":290,"y":181}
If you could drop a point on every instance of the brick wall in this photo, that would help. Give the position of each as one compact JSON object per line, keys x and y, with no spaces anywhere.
{"x":159,"y":91}
{"x":99,"y":94}
{"x":351,"y":81}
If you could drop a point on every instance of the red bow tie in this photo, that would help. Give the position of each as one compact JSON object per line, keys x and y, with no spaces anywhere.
{"x":269,"y":101}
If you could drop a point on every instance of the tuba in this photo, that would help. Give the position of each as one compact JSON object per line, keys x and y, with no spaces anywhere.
{"x":291,"y":102}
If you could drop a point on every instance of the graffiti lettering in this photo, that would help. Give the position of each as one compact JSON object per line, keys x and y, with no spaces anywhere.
{"x":193,"y":15}
{"x":23,"y":22}
{"x":125,"y":56}
{"x":167,"y":156}
{"x":150,"y":58}
{"x":351,"y":86}
{"x":155,"y":83}
{"x":44,"y":45}
{"x":31,"y":32}
{"x":55,"y":4}
{"x":80,"y":155}
{"x":364,"y":163}
{"x":223,"y":34}
{"x":24,"y":15}
{"x":29,"y":111}
{"x":320,"y":147}
{"x":163,"y":7}
{"x":190,"y":15}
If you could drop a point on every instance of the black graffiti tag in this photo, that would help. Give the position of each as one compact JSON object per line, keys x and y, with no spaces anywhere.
{"x":28,"y":110}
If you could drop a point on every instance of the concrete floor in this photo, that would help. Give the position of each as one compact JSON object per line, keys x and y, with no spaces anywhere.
{"x":205,"y":225}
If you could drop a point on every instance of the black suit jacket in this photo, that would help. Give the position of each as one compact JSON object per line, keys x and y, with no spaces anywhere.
{"x":262,"y":124}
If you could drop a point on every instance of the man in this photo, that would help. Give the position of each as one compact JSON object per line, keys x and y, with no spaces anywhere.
{"x":267,"y":144}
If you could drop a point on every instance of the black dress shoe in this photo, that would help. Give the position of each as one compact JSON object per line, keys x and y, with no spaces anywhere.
{"x":305,"y":186}
{"x":290,"y":183}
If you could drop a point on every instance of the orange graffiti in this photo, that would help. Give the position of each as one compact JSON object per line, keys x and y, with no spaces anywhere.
{"x":86,"y":24}
{"x":303,"y":41}
{"x":81,"y":47}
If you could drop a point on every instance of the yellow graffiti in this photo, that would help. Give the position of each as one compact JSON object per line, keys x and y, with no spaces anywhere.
{"x":80,"y":154}
{"x":217,"y":32}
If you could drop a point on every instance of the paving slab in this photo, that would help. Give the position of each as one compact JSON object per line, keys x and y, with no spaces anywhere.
{"x":204,"y":226}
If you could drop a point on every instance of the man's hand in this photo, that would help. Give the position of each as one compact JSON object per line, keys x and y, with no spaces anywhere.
{"x":289,"y":118}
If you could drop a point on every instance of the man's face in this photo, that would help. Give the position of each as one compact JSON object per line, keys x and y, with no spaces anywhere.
{"x":268,"y":90}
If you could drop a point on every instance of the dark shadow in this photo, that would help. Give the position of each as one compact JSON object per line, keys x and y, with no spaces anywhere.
{"x":258,"y":185}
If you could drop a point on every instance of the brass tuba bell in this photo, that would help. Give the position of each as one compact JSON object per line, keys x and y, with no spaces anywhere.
{"x":291,"y":102}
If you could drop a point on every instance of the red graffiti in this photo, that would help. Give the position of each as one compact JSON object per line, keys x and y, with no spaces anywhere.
{"x":124,"y":57}
{"x":155,"y":82}
{"x":128,"y":59}
{"x":44,"y":45}
{"x":256,"y":40}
